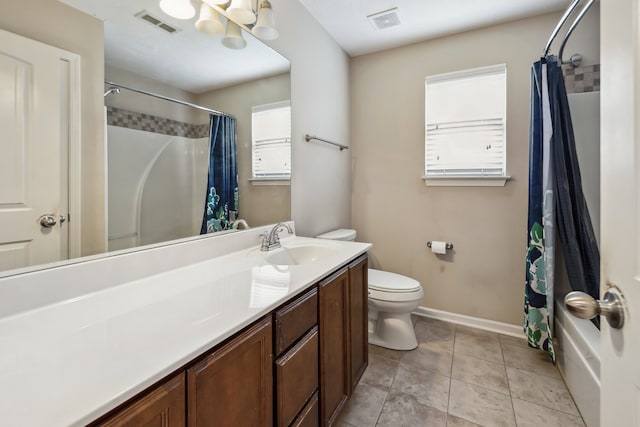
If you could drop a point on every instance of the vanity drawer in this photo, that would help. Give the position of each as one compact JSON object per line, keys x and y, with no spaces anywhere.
{"x":294,"y":319}
{"x":310,"y":415}
{"x":296,"y":377}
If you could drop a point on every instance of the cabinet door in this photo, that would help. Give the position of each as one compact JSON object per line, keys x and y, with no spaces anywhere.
{"x":334,"y":382}
{"x":233,"y":386}
{"x":358,"y":337}
{"x":163,"y":406}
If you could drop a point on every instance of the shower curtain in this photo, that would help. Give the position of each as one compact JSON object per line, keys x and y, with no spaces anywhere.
{"x":221,"y":205}
{"x":555,"y":199}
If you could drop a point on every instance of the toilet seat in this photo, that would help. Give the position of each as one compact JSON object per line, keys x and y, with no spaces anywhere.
{"x":386,"y":286}
{"x":391,"y":282}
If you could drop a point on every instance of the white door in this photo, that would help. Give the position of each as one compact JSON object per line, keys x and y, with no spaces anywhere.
{"x":30,"y":153}
{"x":620,"y":213}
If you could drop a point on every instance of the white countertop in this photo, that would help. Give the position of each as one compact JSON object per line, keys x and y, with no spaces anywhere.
{"x":67,"y":363}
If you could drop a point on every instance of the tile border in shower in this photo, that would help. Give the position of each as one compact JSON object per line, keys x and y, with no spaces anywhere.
{"x":582,"y":79}
{"x":150,"y":123}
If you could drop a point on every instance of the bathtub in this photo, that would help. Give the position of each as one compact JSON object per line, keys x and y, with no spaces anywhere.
{"x":577,"y":345}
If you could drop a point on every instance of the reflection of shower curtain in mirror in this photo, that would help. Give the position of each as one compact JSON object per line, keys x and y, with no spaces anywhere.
{"x":221,"y":205}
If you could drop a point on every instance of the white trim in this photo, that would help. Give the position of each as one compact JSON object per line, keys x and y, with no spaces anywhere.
{"x":271,"y":106}
{"x":472,"y":72}
{"x":270,"y":181}
{"x":466,"y":181}
{"x":75,"y":153}
{"x":474,"y":322}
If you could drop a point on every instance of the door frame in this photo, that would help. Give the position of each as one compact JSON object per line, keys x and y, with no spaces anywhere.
{"x":74,"y":147}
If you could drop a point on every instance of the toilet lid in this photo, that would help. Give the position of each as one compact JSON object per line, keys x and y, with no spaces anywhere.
{"x":391,"y":282}
{"x":340,"y":234}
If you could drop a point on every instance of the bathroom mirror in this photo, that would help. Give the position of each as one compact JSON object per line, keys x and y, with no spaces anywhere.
{"x":155,"y":146}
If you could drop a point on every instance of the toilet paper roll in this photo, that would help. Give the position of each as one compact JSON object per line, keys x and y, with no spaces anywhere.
{"x":438,"y":247}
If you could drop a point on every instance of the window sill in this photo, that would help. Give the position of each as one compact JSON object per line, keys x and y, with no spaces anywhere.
{"x":270,"y":181}
{"x":466,"y":181}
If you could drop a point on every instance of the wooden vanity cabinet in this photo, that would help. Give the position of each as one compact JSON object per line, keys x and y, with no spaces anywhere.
{"x":310,"y":414}
{"x":343,"y":317}
{"x":233,"y":386}
{"x":162,"y":406}
{"x":358,"y":334}
{"x":333,"y":313}
{"x":319,"y":340}
{"x":296,"y":368}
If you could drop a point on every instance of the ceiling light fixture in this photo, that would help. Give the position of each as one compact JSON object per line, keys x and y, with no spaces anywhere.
{"x":241,"y":12}
{"x":260,"y":21}
{"x":265,"y":28}
{"x":209,"y":21}
{"x":233,"y":37}
{"x":179,"y":9}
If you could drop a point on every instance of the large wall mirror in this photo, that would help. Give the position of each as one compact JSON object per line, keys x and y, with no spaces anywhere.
{"x":146,"y":178}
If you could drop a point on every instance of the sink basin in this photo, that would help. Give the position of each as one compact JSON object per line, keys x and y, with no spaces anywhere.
{"x":298,"y":255}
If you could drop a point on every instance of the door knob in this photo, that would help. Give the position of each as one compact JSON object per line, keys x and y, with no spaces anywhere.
{"x":47,"y":221}
{"x":585,"y":306}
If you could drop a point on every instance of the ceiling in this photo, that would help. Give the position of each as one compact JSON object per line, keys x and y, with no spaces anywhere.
{"x":187,"y":59}
{"x":346,"y":20}
{"x":198,"y":62}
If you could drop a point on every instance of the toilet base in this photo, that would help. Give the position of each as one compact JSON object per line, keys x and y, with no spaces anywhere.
{"x":393,"y":331}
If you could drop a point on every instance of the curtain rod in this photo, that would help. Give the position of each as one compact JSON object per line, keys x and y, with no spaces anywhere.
{"x":166,"y":98}
{"x":573,"y":26}
{"x":556,"y":30}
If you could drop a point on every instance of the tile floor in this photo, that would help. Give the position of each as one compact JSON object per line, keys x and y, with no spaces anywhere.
{"x":460,"y":377}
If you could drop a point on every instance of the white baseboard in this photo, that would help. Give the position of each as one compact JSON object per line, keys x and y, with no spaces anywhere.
{"x":474,"y":322}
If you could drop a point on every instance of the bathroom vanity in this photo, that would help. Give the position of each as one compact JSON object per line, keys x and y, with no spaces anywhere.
{"x":244,"y":338}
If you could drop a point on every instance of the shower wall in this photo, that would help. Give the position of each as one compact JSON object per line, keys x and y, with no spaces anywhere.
{"x":157,"y":186}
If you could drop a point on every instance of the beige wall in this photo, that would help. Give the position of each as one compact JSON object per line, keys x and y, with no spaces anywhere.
{"x":392,"y":207}
{"x":321,"y":174}
{"x":56,"y":24}
{"x":146,"y":104}
{"x":259,"y":204}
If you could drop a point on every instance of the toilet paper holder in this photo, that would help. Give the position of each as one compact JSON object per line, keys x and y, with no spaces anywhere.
{"x":449,"y":245}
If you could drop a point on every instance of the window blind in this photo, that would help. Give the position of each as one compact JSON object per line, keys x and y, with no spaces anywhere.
{"x":465,"y":115}
{"x":271,"y":141}
{"x":272,"y":158}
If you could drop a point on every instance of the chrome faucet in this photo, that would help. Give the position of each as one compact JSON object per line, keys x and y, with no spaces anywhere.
{"x":271,"y":239}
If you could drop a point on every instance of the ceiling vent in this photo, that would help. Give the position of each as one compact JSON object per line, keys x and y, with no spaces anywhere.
{"x":150,"y":19}
{"x":385,"y":19}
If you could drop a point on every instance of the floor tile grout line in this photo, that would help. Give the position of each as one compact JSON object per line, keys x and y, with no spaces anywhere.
{"x":538,"y":403}
{"x":513,"y":407}
{"x":453,"y":355}
{"x":570,"y":395}
{"x":451,"y":381}
{"x":386,"y":398}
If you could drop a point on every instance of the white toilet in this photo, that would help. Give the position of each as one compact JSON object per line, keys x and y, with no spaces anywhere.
{"x":392,"y":298}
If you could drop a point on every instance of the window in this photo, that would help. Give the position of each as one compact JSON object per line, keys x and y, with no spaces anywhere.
{"x":271,"y":141}
{"x":465,"y":125}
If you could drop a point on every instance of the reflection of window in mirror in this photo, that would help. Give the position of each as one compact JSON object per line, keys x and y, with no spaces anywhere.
{"x":271,"y":142}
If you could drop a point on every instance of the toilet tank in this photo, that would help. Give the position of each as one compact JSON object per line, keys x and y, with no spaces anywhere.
{"x":346,"y":234}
